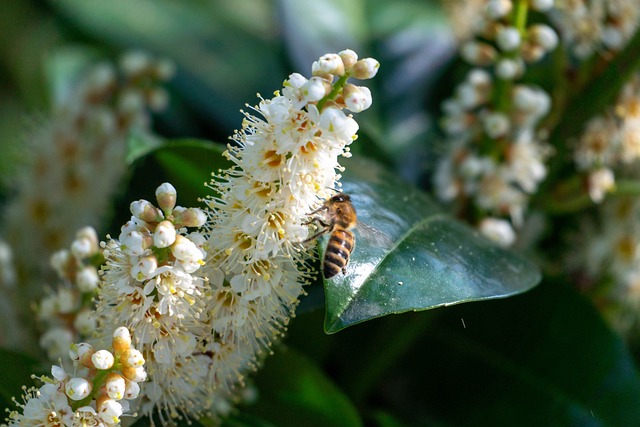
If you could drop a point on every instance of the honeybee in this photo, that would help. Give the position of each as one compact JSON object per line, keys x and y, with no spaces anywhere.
{"x":338,"y":216}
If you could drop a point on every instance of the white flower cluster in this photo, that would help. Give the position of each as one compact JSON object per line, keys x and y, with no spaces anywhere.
{"x":611,"y":141}
{"x":97,"y":394}
{"x":595,"y":26}
{"x":152,"y":284}
{"x":77,"y":158}
{"x":67,"y":313}
{"x":496,"y":154}
{"x":285,"y":165}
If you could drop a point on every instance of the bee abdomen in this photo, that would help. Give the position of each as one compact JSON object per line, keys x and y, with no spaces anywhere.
{"x":336,"y":257}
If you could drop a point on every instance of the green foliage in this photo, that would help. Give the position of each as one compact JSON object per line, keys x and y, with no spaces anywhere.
{"x":541,"y":358}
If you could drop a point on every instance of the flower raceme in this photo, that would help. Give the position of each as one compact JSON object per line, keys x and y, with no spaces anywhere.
{"x":97,"y":394}
{"x":285,"y":164}
{"x":205,"y":306}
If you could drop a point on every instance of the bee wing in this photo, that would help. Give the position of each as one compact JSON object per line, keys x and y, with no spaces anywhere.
{"x":373,"y":236}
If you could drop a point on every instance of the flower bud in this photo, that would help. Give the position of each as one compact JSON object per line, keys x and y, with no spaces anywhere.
{"x":600,"y":182}
{"x":191,"y":217}
{"x":508,"y":69}
{"x":85,"y":243}
{"x":102,"y":359}
{"x":498,"y":230}
{"x":185,"y":250}
{"x":144,"y":210}
{"x":541,"y":5}
{"x":115,"y":385}
{"x":87,"y":279}
{"x":478,"y":53}
{"x":132,"y":390}
{"x":349,"y":58}
{"x":496,"y":125}
{"x":132,"y":358}
{"x":121,"y":339}
{"x":135,"y":62}
{"x":85,"y":322}
{"x":544,"y":36}
{"x":59,"y":261}
{"x":508,"y":39}
{"x":78,"y":388}
{"x":164,"y":235}
{"x":315,"y":89}
{"x":110,"y":411}
{"x":144,"y":268}
{"x":135,"y":374}
{"x":81,"y":351}
{"x":497,"y":9}
{"x":166,"y":195}
{"x":356,"y":98}
{"x":136,"y":243}
{"x":365,"y":68}
{"x":331,"y":63}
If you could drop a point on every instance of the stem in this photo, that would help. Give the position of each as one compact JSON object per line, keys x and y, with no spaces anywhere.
{"x":502,"y":94}
{"x":337,"y":88}
{"x":627,"y":188}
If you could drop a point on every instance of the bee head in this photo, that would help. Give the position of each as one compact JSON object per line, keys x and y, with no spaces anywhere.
{"x":341,"y":197}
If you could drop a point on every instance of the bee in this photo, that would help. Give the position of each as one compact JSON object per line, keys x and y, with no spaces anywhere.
{"x":338,"y":217}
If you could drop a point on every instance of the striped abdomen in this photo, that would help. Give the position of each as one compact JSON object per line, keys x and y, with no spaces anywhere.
{"x":336,"y":257}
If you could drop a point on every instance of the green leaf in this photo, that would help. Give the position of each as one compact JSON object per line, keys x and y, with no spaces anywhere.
{"x":408,"y":256}
{"x":545,"y":358}
{"x":186,"y":163}
{"x":294,"y":391}
{"x":17,"y":373}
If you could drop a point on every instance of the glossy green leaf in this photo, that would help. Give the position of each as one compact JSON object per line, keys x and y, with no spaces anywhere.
{"x":408,"y":256}
{"x":293,"y":392}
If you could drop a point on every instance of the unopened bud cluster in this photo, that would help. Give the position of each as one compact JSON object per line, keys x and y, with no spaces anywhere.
{"x":323,"y":88}
{"x":66,"y":313}
{"x":497,"y":153}
{"x":505,"y":47}
{"x":96,"y":394}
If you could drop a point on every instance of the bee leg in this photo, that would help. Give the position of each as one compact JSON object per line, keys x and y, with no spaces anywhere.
{"x":344,"y":270}
{"x":321,"y":208}
{"x":317,"y":219}
{"x":318,"y":234}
